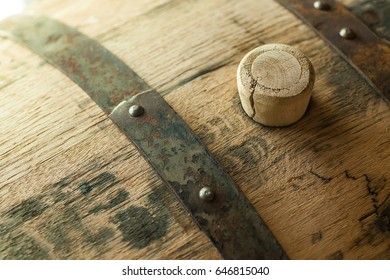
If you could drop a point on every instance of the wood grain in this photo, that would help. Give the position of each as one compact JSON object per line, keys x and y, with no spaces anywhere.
{"x":73,"y":187}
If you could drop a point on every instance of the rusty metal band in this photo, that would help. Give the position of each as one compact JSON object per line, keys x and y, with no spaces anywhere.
{"x":375,"y":14}
{"x":188,"y":167}
{"x":361,"y":47}
{"x":178,"y":156}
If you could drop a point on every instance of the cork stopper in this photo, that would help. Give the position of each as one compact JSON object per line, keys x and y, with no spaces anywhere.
{"x":274,"y":83}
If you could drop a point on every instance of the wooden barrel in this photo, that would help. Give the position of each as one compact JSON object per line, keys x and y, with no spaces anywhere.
{"x":73,"y":187}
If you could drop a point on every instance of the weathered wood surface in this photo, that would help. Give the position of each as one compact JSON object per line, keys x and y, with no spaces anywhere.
{"x":73,"y":187}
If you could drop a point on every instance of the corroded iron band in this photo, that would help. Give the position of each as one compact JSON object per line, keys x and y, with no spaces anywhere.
{"x":365,"y":51}
{"x":162,"y":137}
{"x":188,"y":167}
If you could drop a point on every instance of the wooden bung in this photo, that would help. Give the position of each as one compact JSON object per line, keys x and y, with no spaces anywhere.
{"x":274,"y":83}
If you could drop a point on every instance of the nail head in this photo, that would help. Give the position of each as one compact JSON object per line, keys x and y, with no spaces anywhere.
{"x":347,"y":33}
{"x":206,"y":194}
{"x":136,"y":110}
{"x":321,"y":5}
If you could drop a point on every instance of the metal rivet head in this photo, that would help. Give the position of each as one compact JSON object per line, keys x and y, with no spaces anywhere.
{"x":321,"y":5}
{"x":136,"y":110}
{"x":347,"y":33}
{"x":206,"y":194}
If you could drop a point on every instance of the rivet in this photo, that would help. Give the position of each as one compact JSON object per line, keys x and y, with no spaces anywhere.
{"x":347,"y":33}
{"x":321,"y":5}
{"x":136,"y":110}
{"x":206,"y":194}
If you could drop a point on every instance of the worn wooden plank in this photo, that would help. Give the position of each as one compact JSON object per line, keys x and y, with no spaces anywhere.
{"x":71,"y":186}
